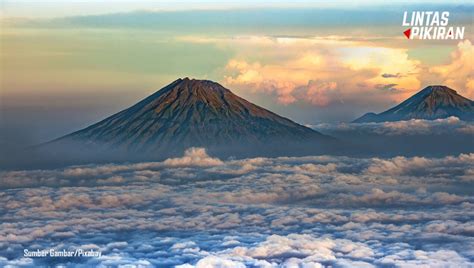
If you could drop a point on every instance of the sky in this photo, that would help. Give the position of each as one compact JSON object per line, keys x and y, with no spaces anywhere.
{"x":68,"y":64}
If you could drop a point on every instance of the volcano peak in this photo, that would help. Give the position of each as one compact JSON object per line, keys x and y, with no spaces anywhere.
{"x":433,"y":102}
{"x":194,"y":113}
{"x":438,"y":88}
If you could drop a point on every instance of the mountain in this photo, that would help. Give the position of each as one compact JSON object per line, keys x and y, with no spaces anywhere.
{"x":189,"y":113}
{"x":433,"y":102}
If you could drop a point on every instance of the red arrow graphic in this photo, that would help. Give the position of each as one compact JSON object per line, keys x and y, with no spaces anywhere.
{"x":407,"y":33}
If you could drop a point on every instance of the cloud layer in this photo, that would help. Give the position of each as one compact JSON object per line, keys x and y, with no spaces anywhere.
{"x":445,"y":126}
{"x":201,"y":211}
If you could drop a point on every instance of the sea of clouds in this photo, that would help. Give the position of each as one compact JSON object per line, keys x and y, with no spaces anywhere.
{"x":450,"y":125}
{"x":197,"y":210}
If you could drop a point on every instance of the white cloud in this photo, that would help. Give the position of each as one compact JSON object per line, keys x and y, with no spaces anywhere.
{"x":267,"y":212}
{"x":193,"y":157}
{"x":451,"y":125}
{"x":213,"y":261}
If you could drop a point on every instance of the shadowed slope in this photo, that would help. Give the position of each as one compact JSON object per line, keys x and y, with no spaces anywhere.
{"x":197,"y":113}
{"x":433,"y":102}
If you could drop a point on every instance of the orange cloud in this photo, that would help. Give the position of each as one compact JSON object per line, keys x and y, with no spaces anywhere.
{"x":458,"y":74}
{"x":318,"y":93}
{"x":404,"y":70}
{"x":321,"y":74}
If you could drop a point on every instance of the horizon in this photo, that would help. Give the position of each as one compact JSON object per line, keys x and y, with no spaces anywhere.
{"x":300,"y":61}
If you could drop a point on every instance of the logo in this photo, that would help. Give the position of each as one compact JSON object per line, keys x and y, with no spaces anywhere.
{"x":430,"y":25}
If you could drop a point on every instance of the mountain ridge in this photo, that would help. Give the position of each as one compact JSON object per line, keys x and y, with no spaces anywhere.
{"x":193,"y":113}
{"x":432,"y":102}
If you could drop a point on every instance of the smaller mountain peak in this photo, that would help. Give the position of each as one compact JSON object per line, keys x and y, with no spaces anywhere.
{"x":368,"y":117}
{"x":433,"y":102}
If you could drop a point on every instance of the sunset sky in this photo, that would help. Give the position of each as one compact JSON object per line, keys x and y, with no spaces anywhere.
{"x":175,"y":183}
{"x":65,"y":65}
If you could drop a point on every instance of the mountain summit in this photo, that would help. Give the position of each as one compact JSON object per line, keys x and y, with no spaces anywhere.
{"x":433,"y":102}
{"x":188,"y":113}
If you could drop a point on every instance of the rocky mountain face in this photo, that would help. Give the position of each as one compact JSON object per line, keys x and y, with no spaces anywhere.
{"x":197,"y":113}
{"x":433,"y":102}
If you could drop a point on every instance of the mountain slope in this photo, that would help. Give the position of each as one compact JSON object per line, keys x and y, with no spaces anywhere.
{"x":189,"y":113}
{"x":433,"y":102}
